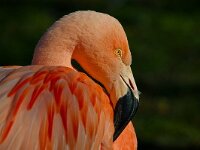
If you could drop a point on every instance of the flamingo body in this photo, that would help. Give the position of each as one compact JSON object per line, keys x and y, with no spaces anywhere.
{"x":60,"y":104}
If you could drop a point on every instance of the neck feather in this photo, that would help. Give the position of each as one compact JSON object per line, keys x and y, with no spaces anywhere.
{"x":56,"y":46}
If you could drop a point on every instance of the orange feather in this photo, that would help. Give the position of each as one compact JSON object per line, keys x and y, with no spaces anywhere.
{"x":61,"y":103}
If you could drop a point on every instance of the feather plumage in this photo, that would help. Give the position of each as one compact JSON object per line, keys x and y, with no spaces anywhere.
{"x":53,"y":108}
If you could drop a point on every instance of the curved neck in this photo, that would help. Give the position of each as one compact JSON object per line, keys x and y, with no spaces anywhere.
{"x":56,"y":47}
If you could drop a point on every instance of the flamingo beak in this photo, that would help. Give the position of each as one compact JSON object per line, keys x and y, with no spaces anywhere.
{"x":125,"y":108}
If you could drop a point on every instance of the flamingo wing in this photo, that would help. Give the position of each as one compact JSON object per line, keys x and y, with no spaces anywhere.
{"x":45,"y":107}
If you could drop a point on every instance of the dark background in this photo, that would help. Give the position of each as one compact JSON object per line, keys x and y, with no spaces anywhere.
{"x":164,"y":37}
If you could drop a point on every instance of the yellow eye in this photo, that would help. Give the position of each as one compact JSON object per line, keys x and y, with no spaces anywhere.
{"x":118,"y":52}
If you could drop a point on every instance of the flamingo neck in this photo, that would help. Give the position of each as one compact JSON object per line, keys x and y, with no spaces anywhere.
{"x":56,"y":47}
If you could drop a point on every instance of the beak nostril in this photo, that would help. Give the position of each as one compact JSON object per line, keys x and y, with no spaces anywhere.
{"x":131,"y":84}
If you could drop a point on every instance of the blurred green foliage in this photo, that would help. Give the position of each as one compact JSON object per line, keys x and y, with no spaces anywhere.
{"x":165,"y":43}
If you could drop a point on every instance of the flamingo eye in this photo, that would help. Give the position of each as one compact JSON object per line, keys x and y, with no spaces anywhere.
{"x":118,"y":52}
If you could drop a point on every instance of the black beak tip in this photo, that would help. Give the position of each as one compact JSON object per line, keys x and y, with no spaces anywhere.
{"x":125,"y":109}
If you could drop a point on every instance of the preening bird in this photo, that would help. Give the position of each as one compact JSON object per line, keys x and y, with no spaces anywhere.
{"x":55,"y":105}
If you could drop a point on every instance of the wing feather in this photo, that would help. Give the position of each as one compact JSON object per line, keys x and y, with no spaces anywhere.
{"x":52,"y":108}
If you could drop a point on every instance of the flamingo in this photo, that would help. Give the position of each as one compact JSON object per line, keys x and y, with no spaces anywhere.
{"x":54,"y":105}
